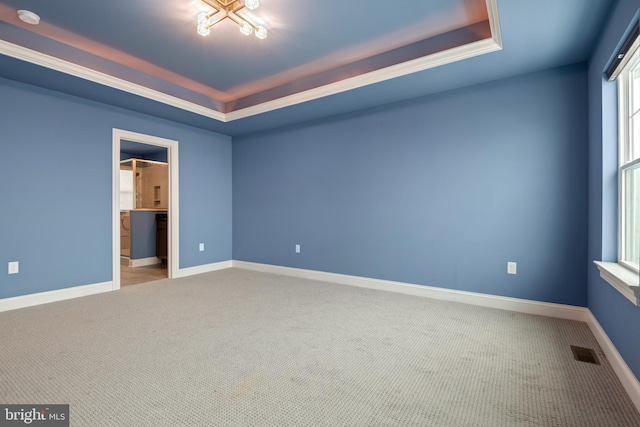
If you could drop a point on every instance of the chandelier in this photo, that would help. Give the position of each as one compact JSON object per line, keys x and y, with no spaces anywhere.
{"x":223,"y":9}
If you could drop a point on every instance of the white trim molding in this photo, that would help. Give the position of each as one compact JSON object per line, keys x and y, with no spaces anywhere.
{"x":30,"y":300}
{"x":420,"y":64}
{"x":173,"y":233}
{"x":66,"y":67}
{"x":622,"y":279}
{"x":143,"y":262}
{"x":206,"y":268}
{"x":494,"y":22}
{"x":560,"y":311}
{"x":620,"y":367}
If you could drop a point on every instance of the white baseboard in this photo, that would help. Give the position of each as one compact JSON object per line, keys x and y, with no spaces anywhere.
{"x":199,"y":269}
{"x":626,"y":376}
{"x":569,"y":312}
{"x":142,"y":262}
{"x":561,"y":311}
{"x":23,"y":301}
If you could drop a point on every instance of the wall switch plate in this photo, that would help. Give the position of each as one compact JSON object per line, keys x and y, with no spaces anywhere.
{"x":201,"y":247}
{"x":512,"y":267}
{"x":14,"y":267}
{"x":297,"y":249}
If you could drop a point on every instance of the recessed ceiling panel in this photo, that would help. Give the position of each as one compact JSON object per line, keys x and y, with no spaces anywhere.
{"x":311,"y":44}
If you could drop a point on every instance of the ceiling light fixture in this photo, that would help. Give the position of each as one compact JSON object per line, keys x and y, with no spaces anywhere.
{"x":229,"y":9}
{"x":28,"y":17}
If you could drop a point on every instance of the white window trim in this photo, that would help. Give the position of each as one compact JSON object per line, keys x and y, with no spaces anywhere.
{"x":624,"y":148}
{"x":621,"y":275}
{"x":622,"y":279}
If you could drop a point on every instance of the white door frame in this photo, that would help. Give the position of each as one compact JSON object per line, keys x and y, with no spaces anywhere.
{"x":172,"y":223}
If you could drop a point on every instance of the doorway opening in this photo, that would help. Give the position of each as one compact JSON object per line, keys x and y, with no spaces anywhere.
{"x":145,"y":208}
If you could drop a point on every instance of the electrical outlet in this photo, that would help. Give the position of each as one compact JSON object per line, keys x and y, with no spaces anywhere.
{"x":297,"y":249}
{"x":14,"y":267}
{"x":512,"y":267}
{"x":201,"y":247}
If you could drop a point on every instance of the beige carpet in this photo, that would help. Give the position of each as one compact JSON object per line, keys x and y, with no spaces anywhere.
{"x":240,"y":348}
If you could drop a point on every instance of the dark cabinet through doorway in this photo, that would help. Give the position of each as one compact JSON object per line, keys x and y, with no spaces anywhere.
{"x":161,"y":236}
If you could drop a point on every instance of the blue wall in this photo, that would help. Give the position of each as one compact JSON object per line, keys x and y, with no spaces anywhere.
{"x":55,"y":188}
{"x":439,"y":191}
{"x":617,"y":315}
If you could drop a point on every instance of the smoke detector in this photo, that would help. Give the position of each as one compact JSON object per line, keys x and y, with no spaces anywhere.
{"x":28,"y":17}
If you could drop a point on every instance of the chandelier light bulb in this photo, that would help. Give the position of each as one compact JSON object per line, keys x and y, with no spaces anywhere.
{"x":202,"y":18}
{"x":252,"y":4}
{"x":203,"y":30}
{"x":261,"y":32}
{"x":246,"y":29}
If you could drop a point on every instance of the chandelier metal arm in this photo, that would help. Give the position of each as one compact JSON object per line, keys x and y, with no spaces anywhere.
{"x":239,"y":19}
{"x":214,"y":19}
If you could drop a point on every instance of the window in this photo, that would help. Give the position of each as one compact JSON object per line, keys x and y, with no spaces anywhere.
{"x":126,"y":190}
{"x":625,"y":68}
{"x":629,"y":163}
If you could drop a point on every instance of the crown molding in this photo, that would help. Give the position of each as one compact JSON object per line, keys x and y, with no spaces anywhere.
{"x":420,"y":64}
{"x":494,"y":22}
{"x":66,"y":67}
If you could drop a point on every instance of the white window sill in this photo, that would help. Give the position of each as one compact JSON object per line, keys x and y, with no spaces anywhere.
{"x":622,"y":279}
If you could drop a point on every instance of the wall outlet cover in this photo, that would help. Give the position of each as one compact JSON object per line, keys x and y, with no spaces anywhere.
{"x":512,"y":267}
{"x":14,"y":267}
{"x":201,"y":247}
